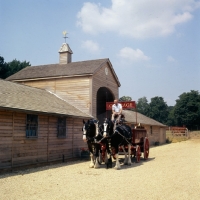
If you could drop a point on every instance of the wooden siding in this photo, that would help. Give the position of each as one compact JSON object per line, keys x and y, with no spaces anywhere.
{"x":65,"y":58}
{"x":162,"y":134}
{"x":44,"y":84}
{"x":75,"y":90}
{"x":155,"y":136}
{"x":100,"y":79}
{"x":16,"y":150}
{"x":6,"y":134}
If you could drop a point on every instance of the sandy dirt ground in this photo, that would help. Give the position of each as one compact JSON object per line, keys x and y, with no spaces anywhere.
{"x":171,"y":172}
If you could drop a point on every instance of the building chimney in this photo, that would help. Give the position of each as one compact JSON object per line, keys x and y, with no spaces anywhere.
{"x":65,"y":54}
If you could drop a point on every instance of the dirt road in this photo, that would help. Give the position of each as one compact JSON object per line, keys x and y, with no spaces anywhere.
{"x":172,"y":172}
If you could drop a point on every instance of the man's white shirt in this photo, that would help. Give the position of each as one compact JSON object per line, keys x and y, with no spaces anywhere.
{"x":117,"y":107}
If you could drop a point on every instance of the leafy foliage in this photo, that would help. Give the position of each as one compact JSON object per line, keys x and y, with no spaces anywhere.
{"x":143,"y":106}
{"x":125,"y":98}
{"x":3,"y":68}
{"x":170,"y":119}
{"x":158,"y":109}
{"x":187,"y":109}
{"x":10,"y":68}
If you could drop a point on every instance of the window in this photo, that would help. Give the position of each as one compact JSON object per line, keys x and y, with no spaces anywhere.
{"x":61,"y":127}
{"x":31,"y":126}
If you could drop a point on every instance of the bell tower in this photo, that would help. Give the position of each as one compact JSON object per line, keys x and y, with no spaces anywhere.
{"x":65,"y":52}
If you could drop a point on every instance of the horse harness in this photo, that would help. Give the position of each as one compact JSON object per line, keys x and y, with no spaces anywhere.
{"x":124,"y":129}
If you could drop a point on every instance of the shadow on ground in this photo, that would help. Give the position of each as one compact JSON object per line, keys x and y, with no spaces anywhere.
{"x":75,"y":162}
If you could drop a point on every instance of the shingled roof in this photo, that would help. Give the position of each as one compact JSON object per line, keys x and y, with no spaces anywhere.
{"x":25,"y":98}
{"x":81,"y":68}
{"x":130,"y":116}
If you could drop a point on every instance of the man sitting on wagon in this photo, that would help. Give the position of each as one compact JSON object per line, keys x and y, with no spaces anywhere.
{"x":116,"y":111}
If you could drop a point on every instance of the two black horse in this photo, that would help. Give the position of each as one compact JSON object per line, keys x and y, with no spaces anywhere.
{"x":111,"y":138}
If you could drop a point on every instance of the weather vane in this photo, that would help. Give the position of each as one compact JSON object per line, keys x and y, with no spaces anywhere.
{"x":65,"y":35}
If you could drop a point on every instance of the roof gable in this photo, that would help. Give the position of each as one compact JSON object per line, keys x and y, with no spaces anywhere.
{"x":111,"y":69}
{"x":81,"y":68}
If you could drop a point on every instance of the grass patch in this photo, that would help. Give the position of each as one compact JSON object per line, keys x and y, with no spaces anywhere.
{"x":170,"y":138}
{"x":195,"y":134}
{"x":173,"y":139}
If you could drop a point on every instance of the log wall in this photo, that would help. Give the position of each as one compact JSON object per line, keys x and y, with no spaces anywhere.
{"x":16,"y":150}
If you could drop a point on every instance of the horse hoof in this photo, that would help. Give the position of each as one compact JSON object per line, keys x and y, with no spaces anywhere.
{"x":129,"y":164}
{"x":117,"y":168}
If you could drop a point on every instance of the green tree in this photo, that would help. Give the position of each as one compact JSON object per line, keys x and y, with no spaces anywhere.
{"x":158,"y":109}
{"x":15,"y":66}
{"x":125,"y":98}
{"x":143,"y":106}
{"x":171,"y":119}
{"x":3,"y":68}
{"x":187,"y":110}
{"x":10,"y":68}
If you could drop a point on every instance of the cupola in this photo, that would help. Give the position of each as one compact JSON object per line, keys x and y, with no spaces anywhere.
{"x":65,"y":52}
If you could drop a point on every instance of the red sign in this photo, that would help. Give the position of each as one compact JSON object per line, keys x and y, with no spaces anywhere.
{"x":125,"y":105}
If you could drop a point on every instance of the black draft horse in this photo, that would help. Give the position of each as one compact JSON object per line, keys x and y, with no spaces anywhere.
{"x":91,"y":136}
{"x":120,"y":136}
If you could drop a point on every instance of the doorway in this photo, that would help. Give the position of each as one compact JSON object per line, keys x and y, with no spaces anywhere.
{"x":103,"y":95}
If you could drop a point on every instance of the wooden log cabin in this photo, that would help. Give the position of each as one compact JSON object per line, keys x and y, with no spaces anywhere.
{"x":37,"y":127}
{"x":54,"y":99}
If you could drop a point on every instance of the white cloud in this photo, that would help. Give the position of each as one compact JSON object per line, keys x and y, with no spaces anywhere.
{"x":133,"y":55}
{"x":138,"y":19}
{"x":170,"y":59}
{"x":91,"y":46}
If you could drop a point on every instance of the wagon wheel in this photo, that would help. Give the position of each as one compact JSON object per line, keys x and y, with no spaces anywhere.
{"x":146,"y":148}
{"x":138,"y":154}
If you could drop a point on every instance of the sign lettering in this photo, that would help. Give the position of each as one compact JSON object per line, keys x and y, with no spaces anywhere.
{"x":125,"y":105}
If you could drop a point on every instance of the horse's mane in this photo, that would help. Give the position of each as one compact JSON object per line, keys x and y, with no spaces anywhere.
{"x":91,"y":127}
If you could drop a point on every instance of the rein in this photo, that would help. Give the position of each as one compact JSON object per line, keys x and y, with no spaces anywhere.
{"x":123,"y":137}
{"x":99,"y":133}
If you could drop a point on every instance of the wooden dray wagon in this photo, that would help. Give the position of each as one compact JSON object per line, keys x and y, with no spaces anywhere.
{"x":140,"y":141}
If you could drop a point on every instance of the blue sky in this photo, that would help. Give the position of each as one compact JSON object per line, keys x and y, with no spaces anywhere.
{"x":154,"y":46}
